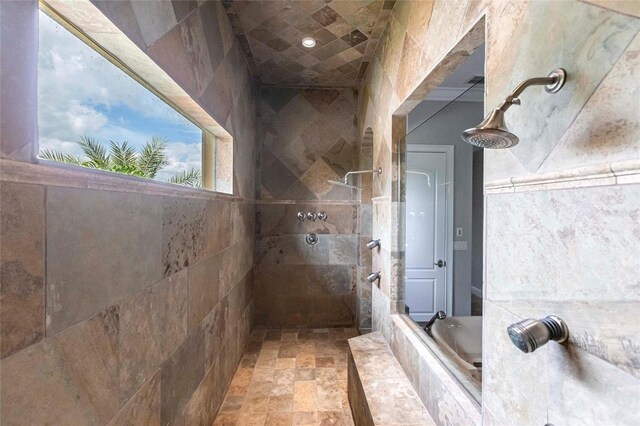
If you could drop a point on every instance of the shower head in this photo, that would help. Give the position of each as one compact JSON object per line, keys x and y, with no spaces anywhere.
{"x":343,"y":184}
{"x":492,"y":132}
{"x":356,"y":172}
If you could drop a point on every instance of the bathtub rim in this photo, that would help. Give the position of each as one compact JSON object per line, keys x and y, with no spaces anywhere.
{"x":472,"y":388}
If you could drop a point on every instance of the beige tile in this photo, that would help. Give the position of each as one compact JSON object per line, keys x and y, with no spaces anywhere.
{"x":307,"y":418}
{"x":289,"y":337}
{"x":252,"y":419}
{"x":227,"y":419}
{"x":304,"y":374}
{"x":304,"y":396}
{"x":330,"y":418}
{"x":305,"y":360}
{"x":325,"y":362}
{"x":286,"y":363}
{"x":279,"y":419}
{"x":280,"y":403}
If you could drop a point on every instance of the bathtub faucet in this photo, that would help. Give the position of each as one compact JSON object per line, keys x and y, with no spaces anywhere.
{"x":440,"y":315}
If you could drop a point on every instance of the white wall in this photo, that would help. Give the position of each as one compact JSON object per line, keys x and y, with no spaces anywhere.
{"x":445,"y":128}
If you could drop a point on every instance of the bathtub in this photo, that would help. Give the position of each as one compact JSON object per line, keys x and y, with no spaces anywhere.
{"x":461,"y":339}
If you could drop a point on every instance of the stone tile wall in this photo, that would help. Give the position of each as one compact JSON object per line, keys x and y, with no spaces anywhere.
{"x":308,"y":136}
{"x":298,"y":284}
{"x":571,"y":144}
{"x":124,"y":301}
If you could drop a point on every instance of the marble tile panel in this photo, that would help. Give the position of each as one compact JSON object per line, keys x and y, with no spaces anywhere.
{"x":203,"y":289}
{"x":69,"y":378}
{"x":22,"y":266}
{"x":343,"y":249}
{"x":204,"y":402}
{"x":79,"y":281}
{"x":562,"y":108}
{"x":574,"y":251}
{"x":180,"y":375}
{"x":143,"y":407}
{"x":214,"y":326}
{"x":292,"y":250}
{"x":154,"y":18}
{"x":195,"y":45}
{"x":576,"y":377}
{"x":507,"y":395}
{"x":153,"y":323}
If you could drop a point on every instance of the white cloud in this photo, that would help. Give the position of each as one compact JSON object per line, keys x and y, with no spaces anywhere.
{"x":182,"y":157}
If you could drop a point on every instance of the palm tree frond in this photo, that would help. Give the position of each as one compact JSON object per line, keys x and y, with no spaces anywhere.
{"x":153,"y":157}
{"x":124,"y":158}
{"x":92,"y":148}
{"x":61,"y":157}
{"x":188,"y":178}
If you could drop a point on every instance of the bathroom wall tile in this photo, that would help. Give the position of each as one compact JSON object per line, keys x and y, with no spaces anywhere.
{"x":292,"y":250}
{"x":343,"y":249}
{"x":21,"y":266}
{"x":574,"y":251}
{"x":203,"y":289}
{"x":508,"y":396}
{"x":180,"y":375}
{"x":84,"y":228}
{"x":153,"y":323}
{"x":561,"y":109}
{"x":154,"y":19}
{"x":575,"y":376}
{"x":605,"y":127}
{"x":202,"y":406}
{"x":70,"y":377}
{"x":122,"y":15}
{"x":214,"y":326}
{"x":193,"y":229}
{"x":143,"y":407}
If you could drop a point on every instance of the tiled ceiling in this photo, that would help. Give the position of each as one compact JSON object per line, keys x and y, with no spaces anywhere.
{"x":347,"y":33}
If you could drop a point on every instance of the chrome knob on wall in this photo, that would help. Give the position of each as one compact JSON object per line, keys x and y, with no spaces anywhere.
{"x":301,"y":216}
{"x":374,"y":276}
{"x":322,"y":215}
{"x":373,"y":244}
{"x":529,"y":334}
{"x":312,"y":216}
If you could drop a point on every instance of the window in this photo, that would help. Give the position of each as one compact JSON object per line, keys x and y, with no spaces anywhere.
{"x":93,"y":114}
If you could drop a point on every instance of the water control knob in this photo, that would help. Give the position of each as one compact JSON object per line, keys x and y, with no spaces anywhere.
{"x":301,"y":216}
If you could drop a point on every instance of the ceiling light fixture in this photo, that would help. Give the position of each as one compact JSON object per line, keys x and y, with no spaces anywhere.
{"x":308,"y":42}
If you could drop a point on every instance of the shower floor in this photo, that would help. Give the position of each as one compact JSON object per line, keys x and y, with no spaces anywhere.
{"x":291,"y":377}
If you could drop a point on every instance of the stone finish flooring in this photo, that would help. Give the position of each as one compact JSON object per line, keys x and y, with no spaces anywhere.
{"x":291,"y":377}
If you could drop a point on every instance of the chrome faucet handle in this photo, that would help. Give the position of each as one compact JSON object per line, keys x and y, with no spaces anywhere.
{"x":322,"y":215}
{"x":301,"y":216}
{"x":312,"y":216}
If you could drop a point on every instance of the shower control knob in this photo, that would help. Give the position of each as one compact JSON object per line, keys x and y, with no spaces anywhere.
{"x":301,"y":216}
{"x":312,"y":216}
{"x":440,"y":263}
{"x":322,"y":215}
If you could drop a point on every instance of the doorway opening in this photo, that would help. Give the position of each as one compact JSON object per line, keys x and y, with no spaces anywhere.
{"x":443,"y":216}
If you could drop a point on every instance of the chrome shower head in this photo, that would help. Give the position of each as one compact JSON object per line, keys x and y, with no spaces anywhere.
{"x":492,"y":132}
{"x":344,"y":185}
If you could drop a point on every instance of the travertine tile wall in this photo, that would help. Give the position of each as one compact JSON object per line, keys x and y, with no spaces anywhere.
{"x":122,"y":301}
{"x":308,"y":136}
{"x":572,"y":144}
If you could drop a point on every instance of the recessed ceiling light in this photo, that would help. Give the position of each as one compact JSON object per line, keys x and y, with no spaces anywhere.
{"x":308,"y":42}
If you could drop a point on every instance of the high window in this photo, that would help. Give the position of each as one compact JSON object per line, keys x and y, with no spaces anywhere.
{"x":93,"y":114}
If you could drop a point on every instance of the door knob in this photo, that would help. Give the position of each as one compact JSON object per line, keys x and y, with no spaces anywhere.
{"x":440,"y":263}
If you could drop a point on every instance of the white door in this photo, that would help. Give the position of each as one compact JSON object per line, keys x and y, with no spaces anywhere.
{"x":429,"y":216}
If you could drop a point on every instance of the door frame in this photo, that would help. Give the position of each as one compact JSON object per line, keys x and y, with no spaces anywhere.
{"x":449,"y":151}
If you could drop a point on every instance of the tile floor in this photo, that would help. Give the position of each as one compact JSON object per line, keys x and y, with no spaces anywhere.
{"x":291,"y":377}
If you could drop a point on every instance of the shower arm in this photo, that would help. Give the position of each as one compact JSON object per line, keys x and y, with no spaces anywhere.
{"x":553,"y":82}
{"x":360,"y":172}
